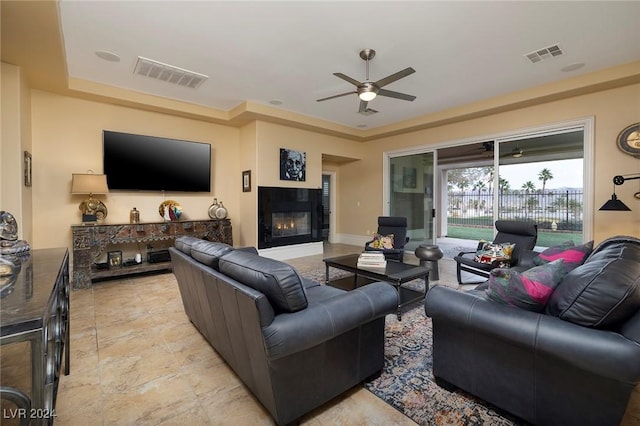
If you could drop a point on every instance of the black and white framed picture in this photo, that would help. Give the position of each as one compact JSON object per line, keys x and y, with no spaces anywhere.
{"x":293,"y":165}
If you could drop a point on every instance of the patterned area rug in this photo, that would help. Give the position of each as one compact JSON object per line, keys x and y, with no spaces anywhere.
{"x":407,"y":382}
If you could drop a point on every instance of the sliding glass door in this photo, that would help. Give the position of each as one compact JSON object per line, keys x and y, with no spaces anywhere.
{"x":410,"y":194}
{"x":541,"y":180}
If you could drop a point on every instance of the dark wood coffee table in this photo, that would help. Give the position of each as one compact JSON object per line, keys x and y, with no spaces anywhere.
{"x":395,"y":273}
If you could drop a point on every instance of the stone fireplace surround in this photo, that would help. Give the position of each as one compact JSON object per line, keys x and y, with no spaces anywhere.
{"x":289,"y":216}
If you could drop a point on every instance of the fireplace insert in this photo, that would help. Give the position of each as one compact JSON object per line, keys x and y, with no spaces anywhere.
{"x":288,"y":216}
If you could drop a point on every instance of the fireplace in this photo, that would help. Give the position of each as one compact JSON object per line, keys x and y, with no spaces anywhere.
{"x":288,"y":216}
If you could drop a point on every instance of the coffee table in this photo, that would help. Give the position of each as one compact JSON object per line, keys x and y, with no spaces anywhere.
{"x":395,"y":273}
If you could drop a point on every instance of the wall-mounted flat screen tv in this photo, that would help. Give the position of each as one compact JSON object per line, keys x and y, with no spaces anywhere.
{"x":149,"y":163}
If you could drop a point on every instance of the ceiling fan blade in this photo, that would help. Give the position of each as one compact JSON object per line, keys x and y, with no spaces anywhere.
{"x":394,"y":77}
{"x":347,"y":78}
{"x":363,"y":106}
{"x":335,"y":96}
{"x":397,"y":95}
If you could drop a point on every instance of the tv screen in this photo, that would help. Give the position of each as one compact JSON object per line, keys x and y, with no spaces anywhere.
{"x":148,"y":163}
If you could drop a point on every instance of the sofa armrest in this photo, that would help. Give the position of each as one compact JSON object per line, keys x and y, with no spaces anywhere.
{"x":293,"y":332}
{"x":601,"y":352}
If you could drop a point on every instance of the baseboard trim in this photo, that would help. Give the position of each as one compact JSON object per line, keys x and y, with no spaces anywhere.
{"x":292,"y":251}
{"x":351,"y":239}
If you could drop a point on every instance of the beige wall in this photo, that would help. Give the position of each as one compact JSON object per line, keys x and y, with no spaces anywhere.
{"x":15,"y":111}
{"x":272,"y":137}
{"x":67,"y":138}
{"x":613,"y":110}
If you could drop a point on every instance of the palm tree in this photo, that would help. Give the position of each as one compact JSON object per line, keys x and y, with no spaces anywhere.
{"x":528,"y":187}
{"x":545,"y":175}
{"x":479,"y":186}
{"x":503,"y":186}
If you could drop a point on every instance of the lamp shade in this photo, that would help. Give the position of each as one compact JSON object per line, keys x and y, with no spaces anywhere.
{"x":89,"y":184}
{"x":615,"y":204}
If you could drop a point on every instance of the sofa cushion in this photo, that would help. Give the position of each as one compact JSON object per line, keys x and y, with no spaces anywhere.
{"x":604,"y":291}
{"x":277,"y":280}
{"x":209,"y":252}
{"x":572,"y":255}
{"x":529,"y":290}
{"x":184,"y":243}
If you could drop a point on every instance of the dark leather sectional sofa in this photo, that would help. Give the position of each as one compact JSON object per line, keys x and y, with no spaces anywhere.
{"x":295,"y":344}
{"x":576,"y":363}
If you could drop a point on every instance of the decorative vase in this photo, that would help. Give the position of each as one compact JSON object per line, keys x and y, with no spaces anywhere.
{"x":212,"y":209}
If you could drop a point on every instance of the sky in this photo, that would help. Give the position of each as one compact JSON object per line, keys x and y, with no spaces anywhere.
{"x":566,"y":173}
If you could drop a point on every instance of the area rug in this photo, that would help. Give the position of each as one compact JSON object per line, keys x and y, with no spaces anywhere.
{"x":407,"y":382}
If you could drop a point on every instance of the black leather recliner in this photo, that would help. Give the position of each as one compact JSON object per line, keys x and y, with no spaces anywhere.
{"x":577,"y":363}
{"x":523,"y":234}
{"x":396,"y":225}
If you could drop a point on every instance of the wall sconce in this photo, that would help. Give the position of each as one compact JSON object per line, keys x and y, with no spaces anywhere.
{"x":92,"y":209}
{"x":614,"y":203}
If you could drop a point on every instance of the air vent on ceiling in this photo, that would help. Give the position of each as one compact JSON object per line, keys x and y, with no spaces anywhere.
{"x":169,"y":73}
{"x":546,"y":53}
{"x":368,"y":111}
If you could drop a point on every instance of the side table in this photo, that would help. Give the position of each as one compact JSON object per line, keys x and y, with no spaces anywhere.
{"x":35,"y":308}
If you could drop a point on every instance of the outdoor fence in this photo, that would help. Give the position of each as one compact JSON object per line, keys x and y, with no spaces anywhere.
{"x":554,"y":209}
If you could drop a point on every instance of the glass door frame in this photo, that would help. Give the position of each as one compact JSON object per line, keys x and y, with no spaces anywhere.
{"x":386,"y":181}
{"x":586,"y":124}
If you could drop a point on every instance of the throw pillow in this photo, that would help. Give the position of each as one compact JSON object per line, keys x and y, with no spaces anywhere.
{"x":603,"y":292}
{"x":498,"y":253}
{"x":572,"y":255}
{"x":382,"y":241}
{"x":529,"y":290}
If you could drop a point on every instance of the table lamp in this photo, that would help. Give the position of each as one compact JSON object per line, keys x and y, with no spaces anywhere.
{"x":92,"y":209}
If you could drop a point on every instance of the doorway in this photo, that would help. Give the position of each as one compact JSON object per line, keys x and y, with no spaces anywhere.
{"x":328,"y":205}
{"x":537,"y":176}
{"x":541,"y":146}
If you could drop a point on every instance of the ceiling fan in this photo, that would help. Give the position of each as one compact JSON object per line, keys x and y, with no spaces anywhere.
{"x":368,"y":90}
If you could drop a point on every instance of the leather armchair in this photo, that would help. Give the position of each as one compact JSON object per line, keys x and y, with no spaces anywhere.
{"x":563,"y":366}
{"x":397,"y":226}
{"x":523,"y":234}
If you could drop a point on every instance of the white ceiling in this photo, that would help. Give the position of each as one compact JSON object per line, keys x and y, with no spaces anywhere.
{"x":261,"y":51}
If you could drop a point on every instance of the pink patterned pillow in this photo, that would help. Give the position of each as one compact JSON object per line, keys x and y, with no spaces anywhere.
{"x":572,"y":255}
{"x":528,"y":290}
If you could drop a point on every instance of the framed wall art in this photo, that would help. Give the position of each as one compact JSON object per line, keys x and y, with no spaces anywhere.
{"x":293,"y":165}
{"x":246,"y":181}
{"x":114,"y":259}
{"x":27,"y":168}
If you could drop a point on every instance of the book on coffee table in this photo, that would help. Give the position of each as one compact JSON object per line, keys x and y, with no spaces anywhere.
{"x":371,"y":260}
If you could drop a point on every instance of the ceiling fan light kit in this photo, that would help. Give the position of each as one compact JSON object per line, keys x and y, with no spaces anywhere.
{"x":517,"y":152}
{"x":368,"y":90}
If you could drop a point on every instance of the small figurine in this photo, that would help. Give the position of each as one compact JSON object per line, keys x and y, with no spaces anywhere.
{"x":9,"y":243}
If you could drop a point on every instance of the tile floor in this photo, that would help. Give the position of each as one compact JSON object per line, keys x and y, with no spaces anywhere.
{"x":137,"y":360}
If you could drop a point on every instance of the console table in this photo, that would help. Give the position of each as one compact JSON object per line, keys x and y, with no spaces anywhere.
{"x":90,"y":241}
{"x":35,"y":308}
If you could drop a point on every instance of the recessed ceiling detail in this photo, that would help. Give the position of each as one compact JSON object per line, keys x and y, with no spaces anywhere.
{"x":174,"y":75}
{"x":546,"y":53}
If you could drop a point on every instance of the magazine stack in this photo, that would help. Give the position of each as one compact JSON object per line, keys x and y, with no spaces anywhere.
{"x":372,"y":259}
